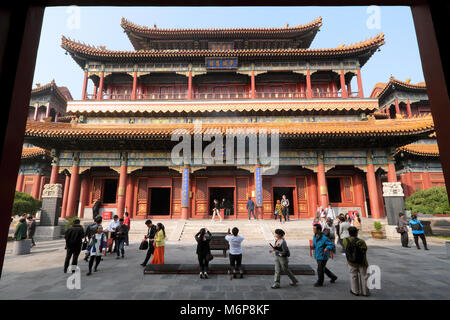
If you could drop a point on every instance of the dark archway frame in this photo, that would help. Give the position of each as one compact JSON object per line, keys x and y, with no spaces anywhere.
{"x":20,"y":27}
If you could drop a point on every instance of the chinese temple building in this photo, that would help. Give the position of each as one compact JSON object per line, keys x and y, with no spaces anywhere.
{"x":47,"y":103}
{"x":334,"y":144}
{"x":417,"y":164}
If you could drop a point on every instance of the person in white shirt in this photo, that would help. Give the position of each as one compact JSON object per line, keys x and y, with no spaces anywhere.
{"x":343,"y":231}
{"x":96,"y":244}
{"x":235,"y":254}
{"x":329,"y":212}
{"x":113,"y":225}
{"x":285,"y":204}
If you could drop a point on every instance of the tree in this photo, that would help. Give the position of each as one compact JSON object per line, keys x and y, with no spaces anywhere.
{"x":25,"y":204}
{"x":430,"y":201}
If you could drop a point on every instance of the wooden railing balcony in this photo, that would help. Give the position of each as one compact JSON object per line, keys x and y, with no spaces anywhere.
{"x":223,"y":96}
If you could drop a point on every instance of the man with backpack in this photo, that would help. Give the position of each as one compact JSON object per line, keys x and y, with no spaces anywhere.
{"x":417,"y":231}
{"x":355,"y":252}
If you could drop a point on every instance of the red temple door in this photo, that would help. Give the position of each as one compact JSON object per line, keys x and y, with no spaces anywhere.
{"x":142,"y":198}
{"x":201,"y":206}
{"x":176,"y":197}
{"x":267,"y":197}
{"x":302,"y":197}
{"x":242,"y":196}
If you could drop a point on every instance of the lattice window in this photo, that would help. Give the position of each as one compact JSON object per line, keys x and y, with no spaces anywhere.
{"x":301,"y":188}
{"x":348,"y":194}
{"x":418,"y":185}
{"x":142,"y":189}
{"x":96,"y":189}
{"x":436,"y":176}
{"x":176,"y":189}
{"x":267,"y":189}
{"x":417,"y":176}
{"x":201,"y":189}
{"x":242,"y":185}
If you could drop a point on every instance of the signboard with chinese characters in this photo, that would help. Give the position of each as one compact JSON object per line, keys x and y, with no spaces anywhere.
{"x":221,"y":63}
{"x":220,"y":46}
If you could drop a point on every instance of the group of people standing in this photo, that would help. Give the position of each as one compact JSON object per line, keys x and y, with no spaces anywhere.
{"x":94,"y":240}
{"x":282,"y":209}
{"x":25,"y":229}
{"x":416,"y":228}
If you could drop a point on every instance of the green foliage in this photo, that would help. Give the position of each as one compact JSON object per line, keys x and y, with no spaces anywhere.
{"x":430,"y":201}
{"x":377,"y":225}
{"x":24,"y":203}
{"x":70,"y":221}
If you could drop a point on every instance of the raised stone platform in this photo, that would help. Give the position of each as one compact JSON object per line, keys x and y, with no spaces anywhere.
{"x":249,"y":269}
{"x":46,"y":233}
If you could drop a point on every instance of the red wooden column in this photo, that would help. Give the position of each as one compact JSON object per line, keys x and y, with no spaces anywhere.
{"x":55,"y":174}
{"x":427,"y":181}
{"x":65,"y":196}
{"x":312,"y":192}
{"x":373,"y":190}
{"x":308,"y":85}
{"x":259,"y":208}
{"x":73,"y":190}
{"x":189,"y":93}
{"x":322,"y":182}
{"x":392,"y":175}
{"x":185,"y":189}
{"x":253,"y":85}
{"x":349,"y":89}
{"x":359,"y":193}
{"x":129,"y":195}
{"x":36,"y":110}
{"x":343,"y":89}
{"x":133,"y":93}
{"x":100,"y":87}
{"x":408,"y":109}
{"x":83,"y":93}
{"x":19,"y":184}
{"x":380,"y":196}
{"x":47,"y":112}
{"x":360,"y":86}
{"x":397,"y":107}
{"x":94,"y":92}
{"x":36,"y":186}
{"x":122,"y":186}
{"x":84,"y":194}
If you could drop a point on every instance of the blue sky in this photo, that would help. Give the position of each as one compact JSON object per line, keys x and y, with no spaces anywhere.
{"x":341,"y":25}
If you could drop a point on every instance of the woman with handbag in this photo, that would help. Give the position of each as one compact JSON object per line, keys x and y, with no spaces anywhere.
{"x":158,"y":255}
{"x":203,"y":237}
{"x":96,"y":244}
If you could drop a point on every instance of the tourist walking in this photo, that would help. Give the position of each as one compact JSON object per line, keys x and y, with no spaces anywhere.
{"x":319,"y":212}
{"x":281,"y":253}
{"x":402,"y":228}
{"x":31,"y":229}
{"x":322,"y":247}
{"x":74,"y":238}
{"x":251,"y":208}
{"x":112,"y":230}
{"x":329,"y":212}
{"x":356,"y":254}
{"x":121,"y":236}
{"x":235,"y":253}
{"x":96,"y":244}
{"x":343,"y":231}
{"x":279,"y":211}
{"x":216,"y":210}
{"x":127,"y":222}
{"x":203,"y":237}
{"x":417,"y":231}
{"x":285,"y":204}
{"x":90,"y":231}
{"x":328,"y":229}
{"x":159,"y":243}
{"x":21,"y":230}
{"x":150,"y":237}
{"x":226,"y":207}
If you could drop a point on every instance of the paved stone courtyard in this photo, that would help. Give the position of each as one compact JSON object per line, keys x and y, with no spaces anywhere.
{"x":405,"y":274}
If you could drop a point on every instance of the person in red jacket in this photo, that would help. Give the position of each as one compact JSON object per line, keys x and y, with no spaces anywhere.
{"x":127,"y":222}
